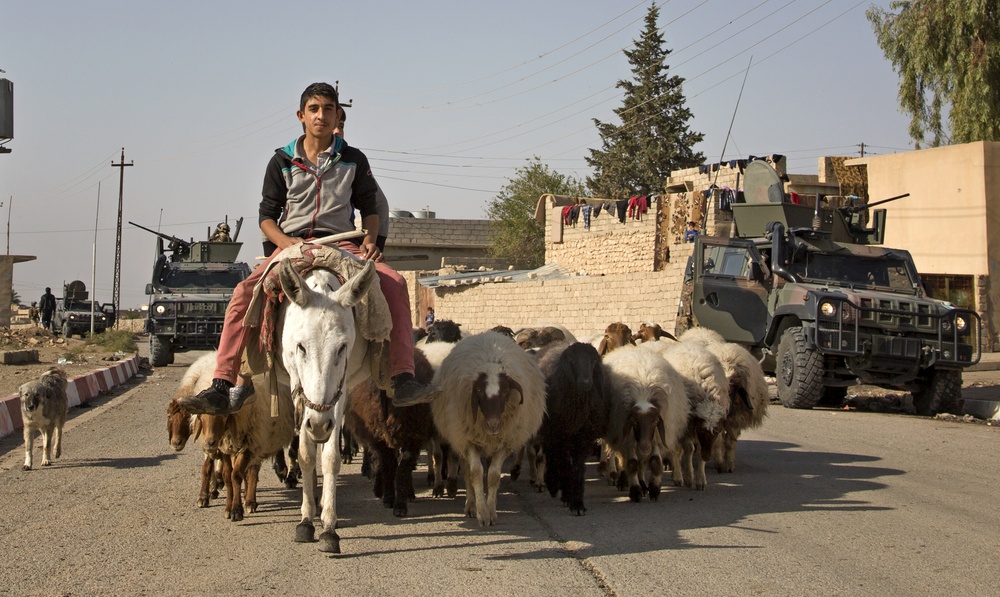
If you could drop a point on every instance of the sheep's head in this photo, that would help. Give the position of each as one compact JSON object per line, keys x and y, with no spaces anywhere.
{"x":211,"y":428}
{"x":490,"y":392}
{"x":645,"y":421}
{"x":178,"y":426}
{"x":583,"y":365}
{"x":616,"y":335}
{"x":650,"y":332}
{"x":444,"y":330}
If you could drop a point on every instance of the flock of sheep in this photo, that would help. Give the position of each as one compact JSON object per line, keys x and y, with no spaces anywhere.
{"x":643,"y":400}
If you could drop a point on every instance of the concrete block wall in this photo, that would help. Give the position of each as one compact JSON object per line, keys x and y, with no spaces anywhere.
{"x":425,"y":232}
{"x":608,"y":247}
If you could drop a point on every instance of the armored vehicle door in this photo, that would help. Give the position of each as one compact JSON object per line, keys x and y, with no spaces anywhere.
{"x":729,"y":293}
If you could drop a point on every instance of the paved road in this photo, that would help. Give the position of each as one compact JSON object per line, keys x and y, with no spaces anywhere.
{"x":823,"y":502}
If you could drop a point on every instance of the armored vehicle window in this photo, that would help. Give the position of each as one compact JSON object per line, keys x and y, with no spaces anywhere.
{"x":728,"y":261}
{"x":849,"y":270}
{"x":178,"y":278}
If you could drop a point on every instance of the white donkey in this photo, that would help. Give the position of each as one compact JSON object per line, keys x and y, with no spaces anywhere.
{"x":324,"y":355}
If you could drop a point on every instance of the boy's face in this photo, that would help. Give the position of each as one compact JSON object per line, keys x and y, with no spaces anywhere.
{"x":319,"y":116}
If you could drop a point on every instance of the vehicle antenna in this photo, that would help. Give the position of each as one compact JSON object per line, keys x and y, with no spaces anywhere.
{"x":704,"y":217}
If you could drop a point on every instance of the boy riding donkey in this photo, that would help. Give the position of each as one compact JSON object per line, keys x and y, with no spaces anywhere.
{"x":311,"y":188}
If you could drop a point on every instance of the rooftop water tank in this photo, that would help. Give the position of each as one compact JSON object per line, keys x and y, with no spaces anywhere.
{"x":399,"y":213}
{"x":424,"y":214}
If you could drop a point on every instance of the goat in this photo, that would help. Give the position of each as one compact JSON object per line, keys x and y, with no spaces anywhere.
{"x":708,"y":392}
{"x":649,"y":413}
{"x":578,"y":411}
{"x":44,"y":407}
{"x":443,"y":330}
{"x":491,"y":402}
{"x":616,"y":335}
{"x":538,"y":337}
{"x":651,"y":332}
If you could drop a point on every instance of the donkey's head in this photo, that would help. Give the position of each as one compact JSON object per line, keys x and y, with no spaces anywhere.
{"x":317,"y":334}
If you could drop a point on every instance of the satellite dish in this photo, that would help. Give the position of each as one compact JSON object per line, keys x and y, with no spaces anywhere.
{"x":76,"y":291}
{"x":761,"y":184}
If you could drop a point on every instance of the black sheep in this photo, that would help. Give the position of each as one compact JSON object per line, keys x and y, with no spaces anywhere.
{"x":444,"y":330}
{"x":578,"y":412}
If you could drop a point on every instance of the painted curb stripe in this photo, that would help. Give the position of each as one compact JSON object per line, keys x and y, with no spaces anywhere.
{"x":79,"y":390}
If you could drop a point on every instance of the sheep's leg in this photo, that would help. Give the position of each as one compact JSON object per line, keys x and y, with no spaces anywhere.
{"x":404,"y":479}
{"x":538,"y":469}
{"x":294,"y":472}
{"x":706,"y":441}
{"x":493,"y":486}
{"x":475,"y":502}
{"x":329,"y":539}
{"x":218,"y":481}
{"x":435,"y":453}
{"x":603,"y":464}
{"x":725,"y":451}
{"x":28,"y":459}
{"x":227,"y":478}
{"x":675,"y":466}
{"x":241,"y":463}
{"x":47,"y":446}
{"x":687,"y":464}
{"x":387,"y":473}
{"x":280,"y":466}
{"x":574,"y":480}
{"x":207,"y":472}
{"x":515,"y":471}
{"x":253,"y":475}
{"x":454,"y":465}
{"x":655,"y":482}
{"x":555,"y":466}
{"x":304,"y":531}
{"x":632,"y":472}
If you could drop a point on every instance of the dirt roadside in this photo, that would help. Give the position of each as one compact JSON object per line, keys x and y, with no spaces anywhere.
{"x":73,"y":355}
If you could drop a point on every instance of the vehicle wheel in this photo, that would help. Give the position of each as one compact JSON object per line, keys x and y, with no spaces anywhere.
{"x":938,"y":393}
{"x":799,"y":371}
{"x":67,"y":332}
{"x":159,"y":352}
{"x":833,"y":396}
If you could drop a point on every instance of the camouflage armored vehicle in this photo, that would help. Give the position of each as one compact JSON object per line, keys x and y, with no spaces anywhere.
{"x":191,"y":287}
{"x":810,"y":293}
{"x":73,"y":312}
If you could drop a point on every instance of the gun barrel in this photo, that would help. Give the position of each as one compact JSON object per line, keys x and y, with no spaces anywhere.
{"x":180,"y":241}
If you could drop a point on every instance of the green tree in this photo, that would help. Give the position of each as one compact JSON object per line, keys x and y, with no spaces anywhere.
{"x":947,"y":55}
{"x":637,"y":156}
{"x":515,"y":235}
{"x":15,"y":298}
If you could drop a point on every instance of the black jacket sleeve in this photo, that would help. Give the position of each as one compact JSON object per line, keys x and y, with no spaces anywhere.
{"x":364,"y":188}
{"x":274,"y":195}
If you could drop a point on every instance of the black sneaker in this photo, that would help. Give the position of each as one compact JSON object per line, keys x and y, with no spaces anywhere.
{"x":407,"y":391}
{"x":213,"y":400}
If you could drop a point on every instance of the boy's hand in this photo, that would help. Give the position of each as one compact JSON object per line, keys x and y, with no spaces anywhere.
{"x":370,"y":252}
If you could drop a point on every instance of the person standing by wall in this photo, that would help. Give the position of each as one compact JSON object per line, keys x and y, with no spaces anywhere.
{"x":47,"y":305}
{"x":34,"y":314}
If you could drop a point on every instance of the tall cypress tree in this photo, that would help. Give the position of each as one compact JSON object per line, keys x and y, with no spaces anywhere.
{"x":637,"y":156}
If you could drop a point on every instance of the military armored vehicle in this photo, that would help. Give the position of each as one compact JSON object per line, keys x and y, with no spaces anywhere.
{"x":809,"y":291}
{"x":190,"y":290}
{"x":73,"y":312}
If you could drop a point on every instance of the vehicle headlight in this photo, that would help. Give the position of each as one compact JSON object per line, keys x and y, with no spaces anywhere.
{"x":828,"y":309}
{"x":961,"y":323}
{"x":160,"y":309}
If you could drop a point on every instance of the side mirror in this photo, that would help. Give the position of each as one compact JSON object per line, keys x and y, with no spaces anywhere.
{"x":149,"y":289}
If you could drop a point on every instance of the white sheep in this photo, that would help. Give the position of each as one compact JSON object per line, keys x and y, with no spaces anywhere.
{"x":649,"y":414}
{"x":748,"y":400}
{"x":491,"y":403}
{"x":708,"y":392}
{"x":703,"y":336}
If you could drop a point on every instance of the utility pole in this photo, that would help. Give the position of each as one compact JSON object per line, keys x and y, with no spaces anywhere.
{"x":862,"y":149}
{"x":116,"y":293}
{"x":10,"y":204}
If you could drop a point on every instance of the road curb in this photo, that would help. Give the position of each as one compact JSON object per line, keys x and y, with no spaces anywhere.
{"x":79,"y":390}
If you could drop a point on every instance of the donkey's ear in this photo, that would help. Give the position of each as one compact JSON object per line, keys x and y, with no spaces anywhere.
{"x":356,"y":288}
{"x":292,"y":284}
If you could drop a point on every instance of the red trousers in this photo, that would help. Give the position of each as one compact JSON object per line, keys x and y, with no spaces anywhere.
{"x":234,"y":335}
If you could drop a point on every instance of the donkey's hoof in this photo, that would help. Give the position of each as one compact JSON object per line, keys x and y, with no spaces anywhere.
{"x":329,"y":542}
{"x":304,"y":532}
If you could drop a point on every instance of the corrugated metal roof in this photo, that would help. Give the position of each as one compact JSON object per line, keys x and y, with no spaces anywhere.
{"x":546,"y":272}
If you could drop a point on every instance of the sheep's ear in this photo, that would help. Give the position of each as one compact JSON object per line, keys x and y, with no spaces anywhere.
{"x":197,"y":427}
{"x":515,"y":386}
{"x":603,"y":348}
{"x":292,"y":284}
{"x":662,"y":428}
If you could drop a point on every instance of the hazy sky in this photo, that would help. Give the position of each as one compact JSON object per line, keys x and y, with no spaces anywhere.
{"x":449,"y":98}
